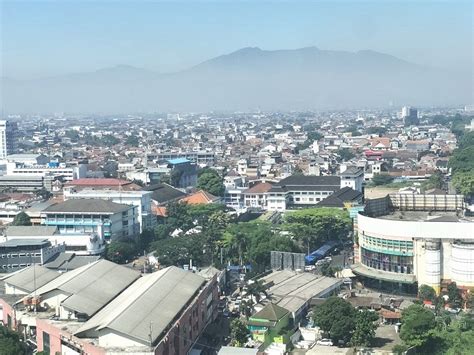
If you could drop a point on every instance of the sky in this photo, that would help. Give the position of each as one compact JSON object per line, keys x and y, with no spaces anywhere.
{"x":48,"y":38}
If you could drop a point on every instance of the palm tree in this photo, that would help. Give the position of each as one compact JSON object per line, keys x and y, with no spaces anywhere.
{"x":236,"y":242}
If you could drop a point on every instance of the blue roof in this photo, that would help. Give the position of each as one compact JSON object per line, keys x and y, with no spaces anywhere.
{"x":178,"y":161}
{"x":321,"y":252}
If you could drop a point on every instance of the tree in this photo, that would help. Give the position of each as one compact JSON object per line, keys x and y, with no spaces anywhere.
{"x":324,"y":224}
{"x":253,"y":241}
{"x":21,"y":219}
{"x":72,"y":135}
{"x":328,"y":270}
{"x":454,"y":295}
{"x":210,"y":181}
{"x":132,"y":141}
{"x":464,"y":182}
{"x":43,"y":193}
{"x":337,"y":317}
{"x":120,"y":251}
{"x":417,"y":322}
{"x":381,"y":179}
{"x":345,"y":154}
{"x":180,"y":250}
{"x":399,"y":349}
{"x":238,"y":332}
{"x":426,"y":292}
{"x":109,"y":140}
{"x":10,"y":342}
{"x":364,"y":332}
{"x":377,"y":130}
{"x":434,"y":182}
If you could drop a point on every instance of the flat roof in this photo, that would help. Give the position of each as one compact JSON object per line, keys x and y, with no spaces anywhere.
{"x":30,"y":231}
{"x":12,"y":243}
{"x":426,"y":216}
{"x":292,"y":290}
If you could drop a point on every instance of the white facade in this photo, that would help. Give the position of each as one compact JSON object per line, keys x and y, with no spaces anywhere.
{"x":434,"y":251}
{"x":68,"y":173}
{"x":141,"y":199}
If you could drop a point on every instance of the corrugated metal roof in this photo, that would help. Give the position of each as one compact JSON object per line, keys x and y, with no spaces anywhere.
{"x":92,"y":286}
{"x":153,"y":299}
{"x":25,"y":278}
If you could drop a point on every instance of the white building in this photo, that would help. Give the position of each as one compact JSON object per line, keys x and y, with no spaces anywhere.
{"x":68,"y":173}
{"x":352,"y":177}
{"x":141,"y":199}
{"x":77,"y":243}
{"x":425,"y":240}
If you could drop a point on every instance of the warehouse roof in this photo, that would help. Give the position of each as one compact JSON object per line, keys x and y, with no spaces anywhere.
{"x":70,"y":261}
{"x":156,"y":297}
{"x":163,"y":192}
{"x":91,"y":286}
{"x":87,"y":206}
{"x":293,"y":290}
{"x":27,"y":278}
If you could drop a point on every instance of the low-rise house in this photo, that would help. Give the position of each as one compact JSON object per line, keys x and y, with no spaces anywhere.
{"x":272,"y":324}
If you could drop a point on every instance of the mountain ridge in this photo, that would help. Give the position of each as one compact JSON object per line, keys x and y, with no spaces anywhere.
{"x":250,"y":77}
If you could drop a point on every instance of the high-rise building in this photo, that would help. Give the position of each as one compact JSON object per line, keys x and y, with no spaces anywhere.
{"x":410,"y":116}
{"x":8,"y":138}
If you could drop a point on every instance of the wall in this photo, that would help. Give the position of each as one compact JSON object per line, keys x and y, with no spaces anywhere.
{"x":185,"y":331}
{"x":55,"y":335}
{"x":394,"y":229}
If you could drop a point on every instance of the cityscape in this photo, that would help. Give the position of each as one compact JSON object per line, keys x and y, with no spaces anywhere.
{"x":265,"y":201}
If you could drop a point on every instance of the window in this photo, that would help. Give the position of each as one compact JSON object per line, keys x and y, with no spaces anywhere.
{"x":46,"y":343}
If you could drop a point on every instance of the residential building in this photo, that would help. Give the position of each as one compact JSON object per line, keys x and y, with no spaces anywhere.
{"x":268,"y":324}
{"x":299,"y":191}
{"x":256,"y":196}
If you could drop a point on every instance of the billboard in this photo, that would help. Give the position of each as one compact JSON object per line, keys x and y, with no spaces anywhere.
{"x":282,"y":260}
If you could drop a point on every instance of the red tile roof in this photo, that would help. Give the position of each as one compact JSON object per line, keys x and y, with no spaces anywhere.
{"x":259,"y":188}
{"x":200,"y":197}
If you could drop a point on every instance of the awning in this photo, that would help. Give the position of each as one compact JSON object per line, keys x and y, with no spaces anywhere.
{"x":363,"y":270}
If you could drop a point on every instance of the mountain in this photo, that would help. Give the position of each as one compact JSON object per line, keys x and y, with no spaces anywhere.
{"x":249,"y":78}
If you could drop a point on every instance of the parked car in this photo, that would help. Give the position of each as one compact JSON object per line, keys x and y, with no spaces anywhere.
{"x":326,"y":342}
{"x":309,"y":268}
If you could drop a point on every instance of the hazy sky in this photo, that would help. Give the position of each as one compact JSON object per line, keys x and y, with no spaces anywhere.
{"x":41,"y":38}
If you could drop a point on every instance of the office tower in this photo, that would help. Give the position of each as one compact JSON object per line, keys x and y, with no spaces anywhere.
{"x":410,"y":116}
{"x":8,"y":138}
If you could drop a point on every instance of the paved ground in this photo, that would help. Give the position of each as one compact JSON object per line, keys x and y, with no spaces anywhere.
{"x":386,"y":337}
